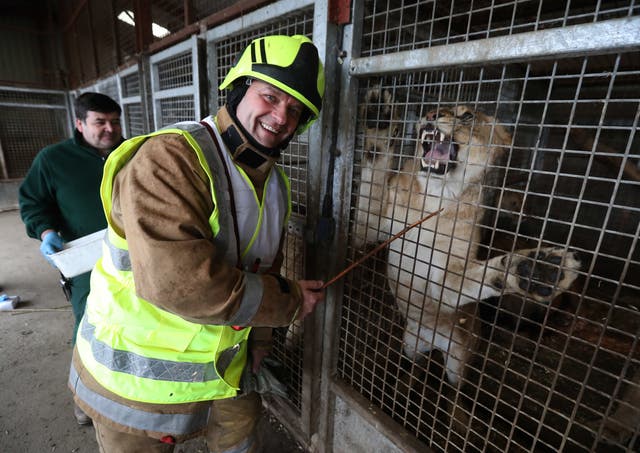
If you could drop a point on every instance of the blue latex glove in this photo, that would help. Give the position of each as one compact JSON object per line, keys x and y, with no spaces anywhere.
{"x":51,"y":243}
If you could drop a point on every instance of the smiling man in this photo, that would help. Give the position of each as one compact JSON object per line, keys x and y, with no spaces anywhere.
{"x":268,"y":114}
{"x":101,"y":130}
{"x":183,"y":299}
{"x":60,"y":196}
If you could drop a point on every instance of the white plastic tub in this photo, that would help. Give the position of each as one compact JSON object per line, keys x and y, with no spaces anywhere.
{"x":79,"y":256}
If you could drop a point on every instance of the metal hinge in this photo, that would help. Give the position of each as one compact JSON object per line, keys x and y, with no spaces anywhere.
{"x":323,"y":232}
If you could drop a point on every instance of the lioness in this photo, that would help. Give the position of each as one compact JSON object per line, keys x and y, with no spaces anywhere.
{"x":434,"y":270}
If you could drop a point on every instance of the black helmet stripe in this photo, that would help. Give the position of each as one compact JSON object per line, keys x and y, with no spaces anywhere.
{"x":263,"y":52}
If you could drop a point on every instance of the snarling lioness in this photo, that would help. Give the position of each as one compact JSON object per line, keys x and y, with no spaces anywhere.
{"x":434,"y":270}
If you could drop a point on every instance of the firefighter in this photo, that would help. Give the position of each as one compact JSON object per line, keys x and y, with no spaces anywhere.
{"x":189,"y":279}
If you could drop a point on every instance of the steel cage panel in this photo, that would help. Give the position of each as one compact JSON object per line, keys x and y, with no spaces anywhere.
{"x":542,"y":376}
{"x":130,"y":83}
{"x":19,"y":143}
{"x":175,"y":84}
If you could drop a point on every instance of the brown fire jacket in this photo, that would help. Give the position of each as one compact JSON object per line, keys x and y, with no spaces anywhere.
{"x":162,"y":203}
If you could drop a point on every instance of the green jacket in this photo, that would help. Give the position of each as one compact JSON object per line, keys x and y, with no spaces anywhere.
{"x":62,"y":190}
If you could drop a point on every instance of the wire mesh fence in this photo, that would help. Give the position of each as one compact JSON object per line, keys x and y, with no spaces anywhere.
{"x":395,"y":25}
{"x":175,"y":72}
{"x":29,"y":121}
{"x":535,"y":160}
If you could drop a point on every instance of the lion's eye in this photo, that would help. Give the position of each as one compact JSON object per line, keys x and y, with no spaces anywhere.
{"x":466,"y":116}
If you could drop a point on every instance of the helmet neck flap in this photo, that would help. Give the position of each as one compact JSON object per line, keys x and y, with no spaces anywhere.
{"x":243,"y":148}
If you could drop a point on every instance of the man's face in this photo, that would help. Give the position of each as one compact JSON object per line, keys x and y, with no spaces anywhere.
{"x":101,"y":130}
{"x":268,"y":114}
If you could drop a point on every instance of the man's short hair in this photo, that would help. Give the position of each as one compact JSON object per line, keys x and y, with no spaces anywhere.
{"x":96,"y":102}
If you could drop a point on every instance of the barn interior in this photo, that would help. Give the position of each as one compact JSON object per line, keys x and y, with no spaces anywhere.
{"x":563,"y":78}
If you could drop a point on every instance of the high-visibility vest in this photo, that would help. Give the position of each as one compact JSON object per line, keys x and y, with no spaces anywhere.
{"x":144,"y":353}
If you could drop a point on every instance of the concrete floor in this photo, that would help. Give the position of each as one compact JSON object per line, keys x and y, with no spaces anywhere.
{"x":35,"y":350}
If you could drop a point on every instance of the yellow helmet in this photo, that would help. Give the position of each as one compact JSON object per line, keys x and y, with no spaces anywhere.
{"x":286,"y":62}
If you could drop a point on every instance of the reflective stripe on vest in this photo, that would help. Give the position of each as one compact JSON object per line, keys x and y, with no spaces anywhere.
{"x":176,"y":424}
{"x":149,"y":368}
{"x":143,"y":353}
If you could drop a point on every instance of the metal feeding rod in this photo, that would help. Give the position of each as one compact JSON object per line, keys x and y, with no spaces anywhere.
{"x":379,"y":247}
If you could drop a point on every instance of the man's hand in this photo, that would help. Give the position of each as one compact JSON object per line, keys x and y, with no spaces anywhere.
{"x":51,"y":243}
{"x":312,"y":295}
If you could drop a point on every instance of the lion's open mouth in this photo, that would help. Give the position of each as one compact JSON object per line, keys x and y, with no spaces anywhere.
{"x":439,"y":152}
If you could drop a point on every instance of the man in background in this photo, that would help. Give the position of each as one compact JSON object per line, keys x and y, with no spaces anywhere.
{"x":60,"y":196}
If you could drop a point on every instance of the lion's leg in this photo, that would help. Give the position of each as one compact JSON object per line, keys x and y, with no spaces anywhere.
{"x":451,"y":333}
{"x":454,"y":335}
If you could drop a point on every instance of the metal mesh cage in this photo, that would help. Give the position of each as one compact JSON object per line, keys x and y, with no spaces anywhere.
{"x":288,"y":342}
{"x":108,"y":87}
{"x":176,"y":109}
{"x":541,"y":375}
{"x":395,"y":25}
{"x":133,"y":111}
{"x":175,"y":72}
{"x":175,"y":83}
{"x":134,"y":116}
{"x":20,"y":141}
{"x":130,"y":85}
{"x":32,"y":98}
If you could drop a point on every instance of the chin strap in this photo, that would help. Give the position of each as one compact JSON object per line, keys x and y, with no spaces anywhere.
{"x":244,"y":150}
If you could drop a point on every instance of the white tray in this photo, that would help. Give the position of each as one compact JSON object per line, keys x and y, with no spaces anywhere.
{"x":80,"y":255}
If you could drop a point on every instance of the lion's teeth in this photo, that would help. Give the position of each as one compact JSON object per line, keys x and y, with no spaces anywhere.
{"x":436,"y":165}
{"x":426,"y":135}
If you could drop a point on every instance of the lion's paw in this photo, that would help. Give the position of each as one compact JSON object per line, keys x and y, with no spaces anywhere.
{"x":543,"y":274}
